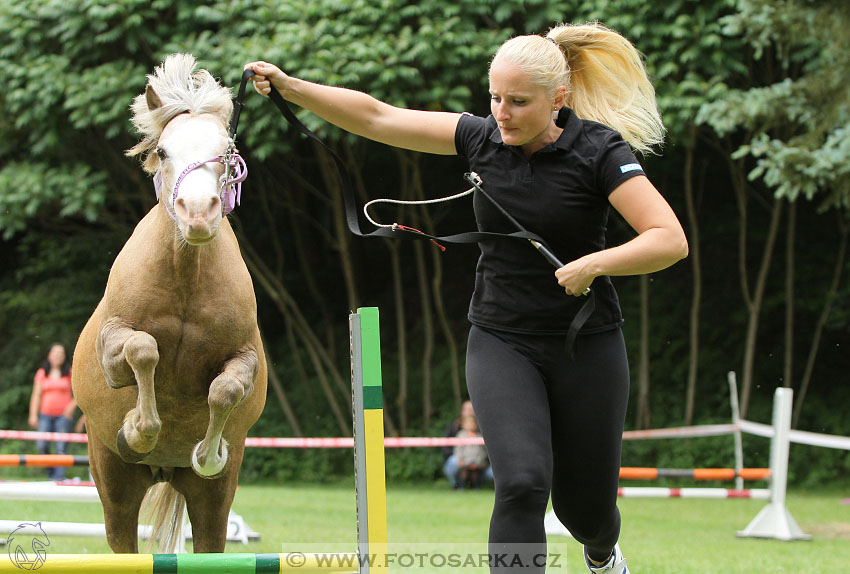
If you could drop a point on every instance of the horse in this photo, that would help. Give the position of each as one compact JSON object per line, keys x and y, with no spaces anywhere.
{"x":169,"y":370}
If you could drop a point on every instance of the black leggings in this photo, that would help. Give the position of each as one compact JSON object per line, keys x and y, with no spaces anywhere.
{"x":551,"y":424}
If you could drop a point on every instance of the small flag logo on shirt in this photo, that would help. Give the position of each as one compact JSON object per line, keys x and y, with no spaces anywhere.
{"x":630,"y":167}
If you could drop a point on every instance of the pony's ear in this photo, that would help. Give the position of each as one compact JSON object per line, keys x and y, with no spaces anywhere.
{"x":152,"y":98}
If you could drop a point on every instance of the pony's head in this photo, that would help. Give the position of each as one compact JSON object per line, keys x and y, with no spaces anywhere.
{"x":183,"y":116}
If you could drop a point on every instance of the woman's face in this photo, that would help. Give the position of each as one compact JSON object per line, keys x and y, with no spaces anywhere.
{"x":56,"y":355}
{"x":522,"y":109}
{"x":466,"y":409}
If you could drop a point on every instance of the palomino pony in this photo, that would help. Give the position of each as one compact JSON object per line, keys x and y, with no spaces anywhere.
{"x":170,"y":370}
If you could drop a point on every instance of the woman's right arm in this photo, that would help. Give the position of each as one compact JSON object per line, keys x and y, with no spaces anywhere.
{"x":35,"y":399}
{"x":361,"y":114}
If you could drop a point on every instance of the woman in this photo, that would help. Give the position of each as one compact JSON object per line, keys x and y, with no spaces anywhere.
{"x":52,"y":406}
{"x":471,"y":458}
{"x":450,"y":459}
{"x":552,"y":423}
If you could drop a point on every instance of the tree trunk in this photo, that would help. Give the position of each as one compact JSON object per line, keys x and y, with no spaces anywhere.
{"x":325,"y":368}
{"x":755,"y":306}
{"x":420,"y":215}
{"x":309,"y":251}
{"x":277,"y":387}
{"x":445,"y":326}
{"x":644,"y":420}
{"x":427,"y":332}
{"x":394,"y":247}
{"x":696,"y":295}
{"x":790,"y":240}
{"x":341,"y":231}
{"x":830,"y":297}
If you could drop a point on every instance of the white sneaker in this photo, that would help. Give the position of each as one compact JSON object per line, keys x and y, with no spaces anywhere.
{"x":615,"y":565}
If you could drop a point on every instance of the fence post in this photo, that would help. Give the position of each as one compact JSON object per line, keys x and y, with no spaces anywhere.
{"x":774,"y":520}
{"x":736,"y":416}
{"x":369,"y":466}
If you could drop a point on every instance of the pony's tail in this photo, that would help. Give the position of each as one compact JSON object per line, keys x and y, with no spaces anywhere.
{"x":163,"y":507}
{"x":609,"y":83}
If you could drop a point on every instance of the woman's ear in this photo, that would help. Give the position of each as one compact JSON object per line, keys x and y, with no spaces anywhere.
{"x":560,"y":98}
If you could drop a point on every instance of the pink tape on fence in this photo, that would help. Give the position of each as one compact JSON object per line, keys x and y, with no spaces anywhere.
{"x":802,"y":437}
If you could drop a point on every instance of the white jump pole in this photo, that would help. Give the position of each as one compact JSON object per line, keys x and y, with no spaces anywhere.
{"x":47,"y":493}
{"x":736,"y":418}
{"x":83,"y":529}
{"x":774,"y":520}
{"x":237,"y":530}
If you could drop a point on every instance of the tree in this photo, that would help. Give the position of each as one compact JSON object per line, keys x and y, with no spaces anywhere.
{"x":797,"y":125}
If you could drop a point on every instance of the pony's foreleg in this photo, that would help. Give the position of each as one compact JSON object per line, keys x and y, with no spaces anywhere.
{"x":227,"y":390}
{"x":130,"y":357}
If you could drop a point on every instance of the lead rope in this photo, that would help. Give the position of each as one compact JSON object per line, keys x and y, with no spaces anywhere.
{"x":391,"y":230}
{"x":409,"y":202}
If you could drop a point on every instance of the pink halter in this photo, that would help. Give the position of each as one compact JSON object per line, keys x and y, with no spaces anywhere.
{"x":230,"y":183}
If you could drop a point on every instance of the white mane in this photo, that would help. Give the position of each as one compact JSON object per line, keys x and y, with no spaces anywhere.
{"x":181,"y":89}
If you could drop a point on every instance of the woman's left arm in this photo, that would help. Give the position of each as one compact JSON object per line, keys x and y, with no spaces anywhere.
{"x":659,"y":244}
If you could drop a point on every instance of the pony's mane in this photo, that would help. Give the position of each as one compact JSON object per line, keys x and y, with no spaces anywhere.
{"x":182,"y":89}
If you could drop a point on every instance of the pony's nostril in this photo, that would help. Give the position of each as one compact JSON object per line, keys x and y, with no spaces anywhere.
{"x":214,"y":208}
{"x":180,"y":208}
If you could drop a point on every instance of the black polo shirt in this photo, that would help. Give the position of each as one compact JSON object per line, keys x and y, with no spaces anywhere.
{"x":560,"y":193}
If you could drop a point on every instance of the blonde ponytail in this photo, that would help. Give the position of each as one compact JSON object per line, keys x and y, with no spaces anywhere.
{"x":609,"y":83}
{"x":604,"y":75}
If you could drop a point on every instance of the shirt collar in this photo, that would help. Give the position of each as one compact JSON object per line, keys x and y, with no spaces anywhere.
{"x":566,"y":119}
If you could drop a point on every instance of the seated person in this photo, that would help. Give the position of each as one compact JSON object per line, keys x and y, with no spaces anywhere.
{"x":471,"y":458}
{"x":450,"y":467}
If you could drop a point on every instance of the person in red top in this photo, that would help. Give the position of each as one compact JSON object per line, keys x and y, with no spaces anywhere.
{"x":52,"y":405}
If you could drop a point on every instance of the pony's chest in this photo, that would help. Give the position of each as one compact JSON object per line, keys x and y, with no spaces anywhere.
{"x":210,"y":329}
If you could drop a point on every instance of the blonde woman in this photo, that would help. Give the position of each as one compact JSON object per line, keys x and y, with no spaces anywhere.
{"x":556,"y":153}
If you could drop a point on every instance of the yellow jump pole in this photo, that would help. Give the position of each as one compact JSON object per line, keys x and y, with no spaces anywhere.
{"x":289,"y":563}
{"x":368,"y":416}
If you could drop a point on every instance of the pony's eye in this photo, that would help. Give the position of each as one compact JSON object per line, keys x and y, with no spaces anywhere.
{"x":161,"y":153}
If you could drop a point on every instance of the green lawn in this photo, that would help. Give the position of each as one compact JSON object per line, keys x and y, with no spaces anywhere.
{"x":659,"y":536}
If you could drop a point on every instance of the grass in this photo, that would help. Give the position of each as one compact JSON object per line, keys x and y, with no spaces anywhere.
{"x":659,"y":536}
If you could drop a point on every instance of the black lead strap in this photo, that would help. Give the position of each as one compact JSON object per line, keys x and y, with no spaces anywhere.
{"x":589,"y":305}
{"x":403,"y":232}
{"x":247,"y":74}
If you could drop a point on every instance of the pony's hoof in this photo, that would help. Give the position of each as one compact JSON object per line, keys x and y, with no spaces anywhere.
{"x":212,"y":468}
{"x":126,"y":453}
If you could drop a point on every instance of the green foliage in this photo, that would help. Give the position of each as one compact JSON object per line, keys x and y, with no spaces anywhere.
{"x":797,"y":124}
{"x":29,"y":190}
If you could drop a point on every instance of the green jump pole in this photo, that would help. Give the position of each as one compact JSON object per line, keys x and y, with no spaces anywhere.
{"x":368,"y":416}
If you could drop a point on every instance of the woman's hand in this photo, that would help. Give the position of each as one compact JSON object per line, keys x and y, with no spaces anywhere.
{"x":575,"y":277}
{"x":33,"y":421}
{"x":267,"y":75}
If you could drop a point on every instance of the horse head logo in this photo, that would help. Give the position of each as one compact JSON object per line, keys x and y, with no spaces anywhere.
{"x":38,"y":543}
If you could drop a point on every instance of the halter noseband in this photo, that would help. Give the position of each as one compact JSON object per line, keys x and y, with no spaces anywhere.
{"x":230,"y":187}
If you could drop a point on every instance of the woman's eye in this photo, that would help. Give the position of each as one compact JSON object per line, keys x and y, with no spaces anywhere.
{"x":161,"y":153}
{"x":519,"y":102}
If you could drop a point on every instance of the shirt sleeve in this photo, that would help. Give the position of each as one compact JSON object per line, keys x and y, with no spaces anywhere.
{"x":39,"y":377}
{"x":616,"y":164}
{"x":469,"y":134}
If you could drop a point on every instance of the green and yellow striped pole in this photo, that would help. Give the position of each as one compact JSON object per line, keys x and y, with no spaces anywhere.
{"x":236,"y":563}
{"x":368,"y":416}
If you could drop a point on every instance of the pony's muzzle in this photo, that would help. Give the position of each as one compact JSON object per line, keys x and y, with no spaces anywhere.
{"x":198,"y":219}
